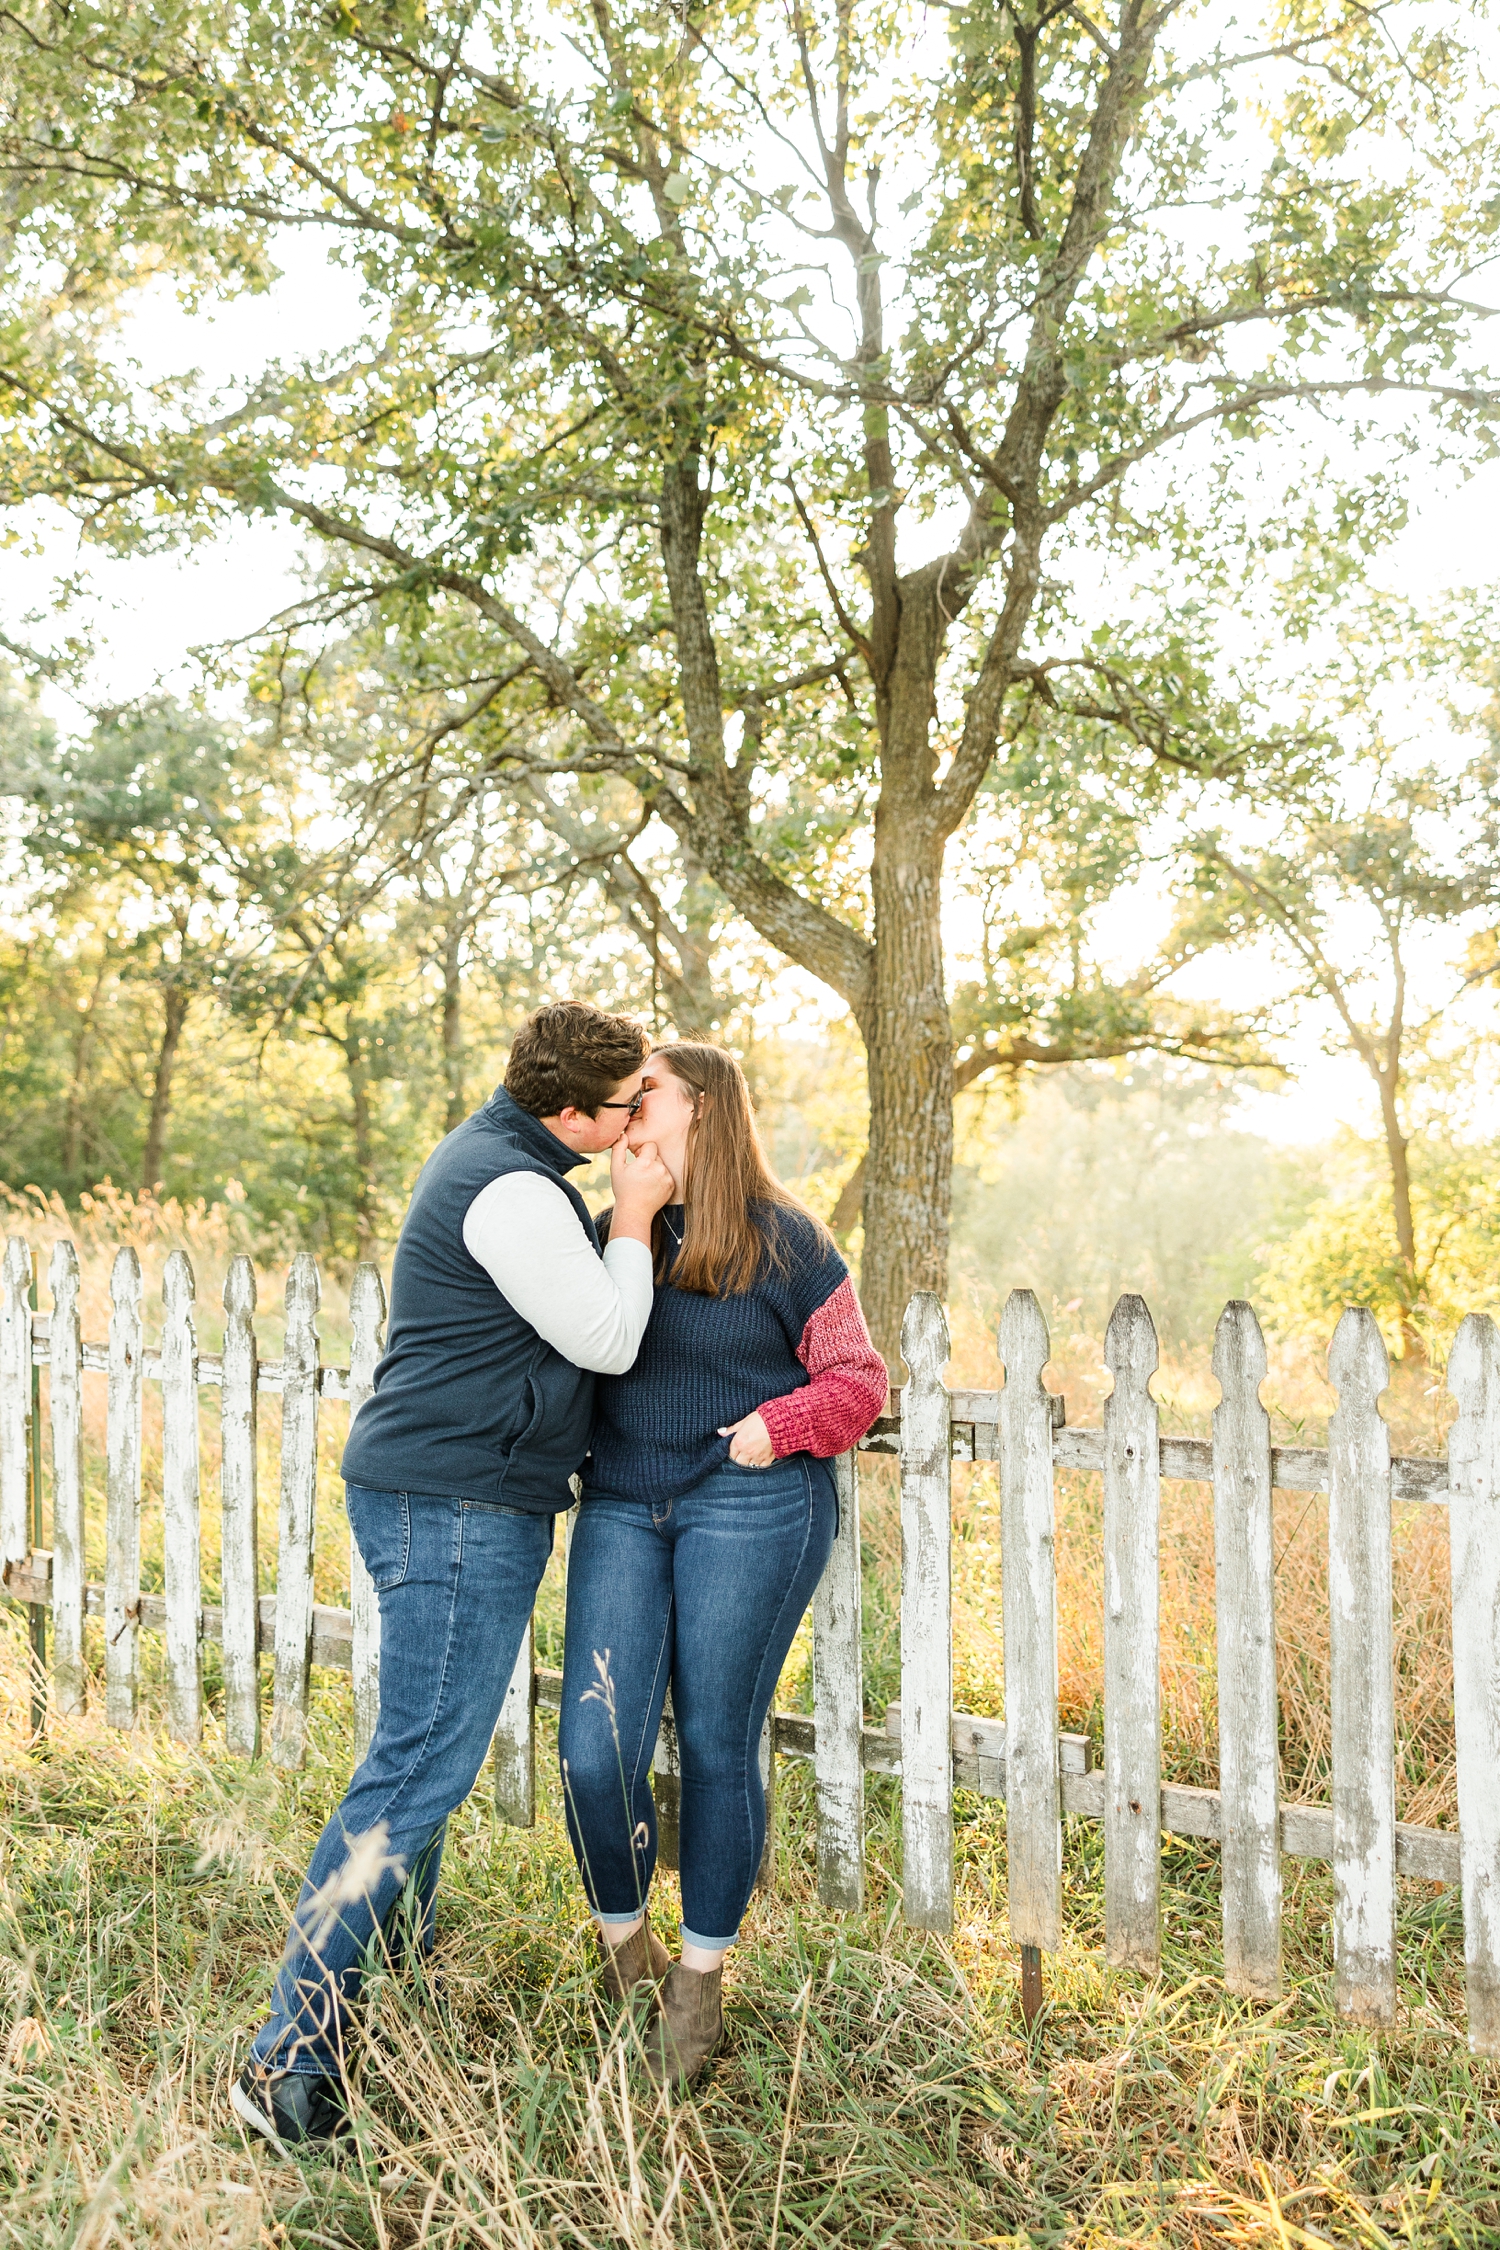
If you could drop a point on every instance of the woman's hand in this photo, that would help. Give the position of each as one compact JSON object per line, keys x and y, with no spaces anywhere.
{"x":750,"y":1443}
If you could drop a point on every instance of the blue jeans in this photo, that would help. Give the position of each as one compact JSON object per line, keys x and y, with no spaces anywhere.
{"x":457,"y":1580}
{"x":705,"y":1593}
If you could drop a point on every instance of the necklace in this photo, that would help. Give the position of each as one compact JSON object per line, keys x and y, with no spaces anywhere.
{"x":672,"y":1231}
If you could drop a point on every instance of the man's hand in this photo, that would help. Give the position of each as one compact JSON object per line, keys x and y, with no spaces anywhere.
{"x":642,"y":1184}
{"x":750,"y":1443}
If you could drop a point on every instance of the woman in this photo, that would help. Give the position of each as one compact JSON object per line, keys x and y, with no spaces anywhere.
{"x":708,"y":1513}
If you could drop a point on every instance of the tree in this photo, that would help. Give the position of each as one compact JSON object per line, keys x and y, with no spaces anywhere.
{"x":1352,"y":887}
{"x":757,"y":490}
{"x":155,"y":818}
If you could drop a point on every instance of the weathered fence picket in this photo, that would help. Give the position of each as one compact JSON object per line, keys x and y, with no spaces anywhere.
{"x":839,"y":1706}
{"x":1363,"y":1686}
{"x":179,"y":1483}
{"x":1028,"y":1598}
{"x":367,"y":1321}
{"x":926,"y":1620}
{"x":1042,"y":1773}
{"x":65,"y":1401}
{"x":239,"y":1532}
{"x":1474,"y":1532}
{"x":1132,"y":1661}
{"x":15,"y":1400}
{"x":299,"y":1486}
{"x":515,"y":1741}
{"x":1245,"y":1600}
{"x":122,"y":1526}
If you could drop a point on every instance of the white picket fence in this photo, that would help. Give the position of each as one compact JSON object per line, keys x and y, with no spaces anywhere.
{"x":1041,"y":1772}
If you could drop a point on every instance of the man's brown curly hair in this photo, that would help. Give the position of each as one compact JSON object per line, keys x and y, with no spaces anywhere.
{"x":569,"y":1055}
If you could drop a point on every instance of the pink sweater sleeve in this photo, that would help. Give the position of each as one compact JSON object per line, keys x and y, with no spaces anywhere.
{"x":848,"y":1389}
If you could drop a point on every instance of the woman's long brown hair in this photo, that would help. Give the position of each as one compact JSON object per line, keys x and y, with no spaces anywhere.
{"x":727,"y":1176}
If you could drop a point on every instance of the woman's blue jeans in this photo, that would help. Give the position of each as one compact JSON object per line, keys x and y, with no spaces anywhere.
{"x":704,"y":1593}
{"x":457,"y":1580}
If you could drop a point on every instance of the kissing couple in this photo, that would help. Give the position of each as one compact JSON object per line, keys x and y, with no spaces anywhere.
{"x":695,"y":1360}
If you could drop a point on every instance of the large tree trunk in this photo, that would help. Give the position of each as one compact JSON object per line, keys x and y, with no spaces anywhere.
{"x":174,"y":1016}
{"x":909,"y":1045}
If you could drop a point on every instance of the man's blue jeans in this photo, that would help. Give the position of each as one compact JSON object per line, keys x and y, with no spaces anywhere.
{"x":705,"y":1592}
{"x":457,"y":1580}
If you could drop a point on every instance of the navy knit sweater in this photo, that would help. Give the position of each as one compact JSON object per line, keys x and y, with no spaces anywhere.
{"x":706,"y":1362}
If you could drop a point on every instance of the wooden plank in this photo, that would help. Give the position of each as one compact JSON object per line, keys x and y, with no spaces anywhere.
{"x":367,"y":1319}
{"x":1028,"y":1584}
{"x":515,"y":1741}
{"x":1474,"y":1531}
{"x":240,"y":1568}
{"x":926,"y":1620}
{"x":839,"y":1706}
{"x":297,"y":1525}
{"x":1245,"y":1602}
{"x":122,"y":1521}
{"x":1132,"y":1662}
{"x":15,"y":1401}
{"x":65,"y":1388}
{"x":1362,"y":1655}
{"x":180,"y":1511}
{"x":666,"y":1788}
{"x":765,"y":1874}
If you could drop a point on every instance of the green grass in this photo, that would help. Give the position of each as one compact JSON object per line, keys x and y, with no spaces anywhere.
{"x":877,"y":2088}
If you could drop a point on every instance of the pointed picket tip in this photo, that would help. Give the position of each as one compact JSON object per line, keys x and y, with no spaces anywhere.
{"x":1239,"y":1346}
{"x":62,"y":1273}
{"x":125,"y":1280}
{"x":1359,"y":1365}
{"x":178,"y":1287}
{"x":1131,"y":1351}
{"x":304,"y":1289}
{"x":1474,"y":1362}
{"x":239,"y":1287}
{"x":367,"y":1296}
{"x":18,"y":1262}
{"x":1025,"y":1346}
{"x":925,"y":1343}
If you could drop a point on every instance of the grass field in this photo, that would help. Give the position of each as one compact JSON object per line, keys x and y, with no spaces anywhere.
{"x":877,"y":2087}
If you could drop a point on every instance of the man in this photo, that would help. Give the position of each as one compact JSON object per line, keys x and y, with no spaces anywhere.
{"x":502,"y":1312}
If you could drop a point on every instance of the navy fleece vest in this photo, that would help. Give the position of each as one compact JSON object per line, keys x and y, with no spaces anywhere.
{"x":469,"y":1401}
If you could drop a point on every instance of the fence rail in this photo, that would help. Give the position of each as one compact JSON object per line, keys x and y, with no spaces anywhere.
{"x":1043,"y":1773}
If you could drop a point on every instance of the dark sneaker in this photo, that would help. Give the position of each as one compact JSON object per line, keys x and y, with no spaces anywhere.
{"x":298,"y":2115}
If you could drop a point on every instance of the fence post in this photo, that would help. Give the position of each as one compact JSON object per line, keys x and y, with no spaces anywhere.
{"x":65,"y":1394}
{"x":240,"y":1568}
{"x":180,"y":1512}
{"x":299,"y":1484}
{"x":1028,"y":1590}
{"x":926,"y":1620}
{"x":122,"y":1554}
{"x":15,"y":1401}
{"x":666,"y":1789}
{"x":1245,"y":1600}
{"x":839,"y":1706}
{"x":1362,"y":1658}
{"x":367,"y":1318}
{"x":515,"y":1740}
{"x":1474,"y":1530}
{"x":1132,"y":1658}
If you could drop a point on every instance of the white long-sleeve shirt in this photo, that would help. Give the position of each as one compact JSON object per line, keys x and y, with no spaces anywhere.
{"x":525,"y":1233}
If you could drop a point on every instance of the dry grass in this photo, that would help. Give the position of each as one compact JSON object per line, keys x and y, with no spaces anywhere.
{"x":878,"y":2089}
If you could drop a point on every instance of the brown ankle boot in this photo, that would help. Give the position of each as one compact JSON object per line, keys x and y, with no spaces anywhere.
{"x":641,"y":1959}
{"x":687,"y":2026}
